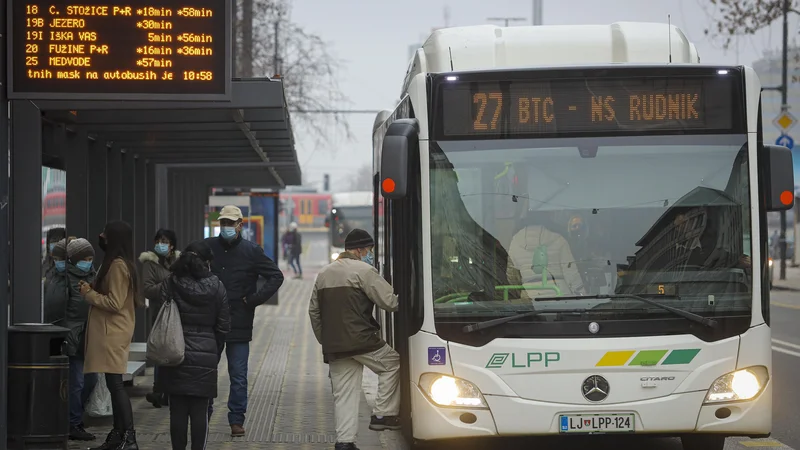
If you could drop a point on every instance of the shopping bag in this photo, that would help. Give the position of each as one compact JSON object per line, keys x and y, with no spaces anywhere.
{"x":166,"y":346}
{"x":99,"y":403}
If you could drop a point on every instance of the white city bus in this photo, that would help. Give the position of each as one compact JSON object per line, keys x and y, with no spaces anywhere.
{"x":567,"y":221}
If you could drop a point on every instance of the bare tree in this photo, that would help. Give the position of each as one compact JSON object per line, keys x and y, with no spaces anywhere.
{"x":361,"y":179}
{"x":736,"y":17}
{"x":303,"y":60}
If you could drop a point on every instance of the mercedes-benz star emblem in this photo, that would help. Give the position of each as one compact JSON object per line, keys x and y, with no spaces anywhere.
{"x":595,"y":388}
{"x":594,"y":327}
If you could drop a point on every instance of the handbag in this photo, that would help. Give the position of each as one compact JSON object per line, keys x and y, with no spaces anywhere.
{"x":166,"y":345}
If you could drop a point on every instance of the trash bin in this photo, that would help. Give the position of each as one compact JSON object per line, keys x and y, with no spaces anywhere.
{"x":38,"y":387}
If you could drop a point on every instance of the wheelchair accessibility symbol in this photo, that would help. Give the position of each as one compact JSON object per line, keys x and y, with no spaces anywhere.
{"x":437,"y":356}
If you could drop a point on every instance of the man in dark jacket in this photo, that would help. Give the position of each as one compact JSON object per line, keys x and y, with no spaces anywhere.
{"x":344,"y":297}
{"x":238,"y":263}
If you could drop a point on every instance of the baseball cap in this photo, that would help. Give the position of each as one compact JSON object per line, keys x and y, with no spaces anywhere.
{"x":230,"y":212}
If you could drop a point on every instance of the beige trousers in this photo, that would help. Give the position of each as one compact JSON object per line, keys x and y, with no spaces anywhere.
{"x":346,"y":377}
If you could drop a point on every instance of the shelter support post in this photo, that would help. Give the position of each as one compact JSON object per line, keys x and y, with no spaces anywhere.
{"x":150,"y":200}
{"x":5,"y":241}
{"x":162,"y":217}
{"x":143,"y":234}
{"x":127,"y":190}
{"x":26,"y":213}
{"x":97,"y":195}
{"x":77,"y":163}
{"x":114,"y":185}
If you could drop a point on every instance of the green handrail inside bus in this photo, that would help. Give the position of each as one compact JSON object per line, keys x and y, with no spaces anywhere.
{"x":461,"y":296}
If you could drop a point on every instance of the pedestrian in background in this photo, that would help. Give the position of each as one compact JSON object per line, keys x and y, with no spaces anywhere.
{"x":79,"y":270}
{"x":156,"y":265}
{"x":55,"y":284}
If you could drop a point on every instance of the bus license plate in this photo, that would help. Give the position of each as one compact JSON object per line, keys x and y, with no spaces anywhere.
{"x":597,"y":423}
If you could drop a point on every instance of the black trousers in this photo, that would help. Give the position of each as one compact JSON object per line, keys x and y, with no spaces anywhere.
{"x":120,"y":402}
{"x":182,"y":408}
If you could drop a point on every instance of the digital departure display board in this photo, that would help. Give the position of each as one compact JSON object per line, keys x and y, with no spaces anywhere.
{"x":530,"y":108}
{"x":116,"y":49}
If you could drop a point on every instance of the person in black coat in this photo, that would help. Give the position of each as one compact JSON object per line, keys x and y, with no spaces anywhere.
{"x":203,"y":304}
{"x":239,"y":263}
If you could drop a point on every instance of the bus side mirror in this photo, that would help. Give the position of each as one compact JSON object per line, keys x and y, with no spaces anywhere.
{"x":401,"y":140}
{"x":781,"y":179}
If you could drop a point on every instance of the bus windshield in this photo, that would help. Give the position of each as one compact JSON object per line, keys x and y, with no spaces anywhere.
{"x":665,"y":217}
{"x":348,"y":218}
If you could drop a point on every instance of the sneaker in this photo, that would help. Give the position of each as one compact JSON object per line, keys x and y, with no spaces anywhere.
{"x":78,"y":433}
{"x":237,"y":431}
{"x":384,"y":423}
{"x":345,"y":446}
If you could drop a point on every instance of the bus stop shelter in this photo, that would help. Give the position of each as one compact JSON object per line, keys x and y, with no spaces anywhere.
{"x":149,"y":163}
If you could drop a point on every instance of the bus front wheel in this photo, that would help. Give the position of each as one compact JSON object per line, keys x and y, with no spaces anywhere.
{"x":703,"y":442}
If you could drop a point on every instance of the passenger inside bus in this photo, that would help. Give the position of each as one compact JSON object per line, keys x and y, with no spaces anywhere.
{"x":538,"y":253}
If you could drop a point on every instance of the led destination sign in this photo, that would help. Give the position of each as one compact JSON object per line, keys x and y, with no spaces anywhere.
{"x":151,"y":49}
{"x":585,"y":106}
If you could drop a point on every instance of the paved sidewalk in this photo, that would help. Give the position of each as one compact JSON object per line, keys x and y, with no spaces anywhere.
{"x":792,"y":281}
{"x":289,"y":403}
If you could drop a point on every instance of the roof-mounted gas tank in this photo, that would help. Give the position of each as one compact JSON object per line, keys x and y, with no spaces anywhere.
{"x":487,"y":47}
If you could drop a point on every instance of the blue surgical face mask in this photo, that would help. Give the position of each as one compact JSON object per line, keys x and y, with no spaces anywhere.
{"x":84,"y":266}
{"x":52,"y":246}
{"x":228,"y":233}
{"x":369,"y":258}
{"x":61,"y":266}
{"x":162,"y":249}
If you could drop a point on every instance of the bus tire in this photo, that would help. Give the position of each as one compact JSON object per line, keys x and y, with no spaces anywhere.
{"x":703,"y":442}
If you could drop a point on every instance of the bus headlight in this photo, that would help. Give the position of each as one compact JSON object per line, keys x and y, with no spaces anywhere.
{"x":449,"y":391}
{"x":743,"y":384}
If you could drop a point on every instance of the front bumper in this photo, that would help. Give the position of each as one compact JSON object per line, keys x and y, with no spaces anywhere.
{"x":675,"y":414}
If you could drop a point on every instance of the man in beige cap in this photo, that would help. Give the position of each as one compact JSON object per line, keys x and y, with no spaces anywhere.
{"x":238,"y":263}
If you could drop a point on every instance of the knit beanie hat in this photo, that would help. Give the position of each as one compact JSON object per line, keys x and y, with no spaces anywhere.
{"x":79,"y":249}
{"x":358,"y":239}
{"x":60,"y":249}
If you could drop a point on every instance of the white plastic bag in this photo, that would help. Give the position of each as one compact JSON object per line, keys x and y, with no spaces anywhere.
{"x":99,"y":404}
{"x":166,"y":346}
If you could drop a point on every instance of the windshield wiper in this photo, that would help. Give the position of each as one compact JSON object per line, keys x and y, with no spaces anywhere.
{"x":678,"y":312}
{"x":506,"y":319}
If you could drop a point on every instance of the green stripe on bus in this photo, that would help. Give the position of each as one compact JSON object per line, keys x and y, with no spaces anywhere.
{"x":681,"y":356}
{"x":648,"y":358}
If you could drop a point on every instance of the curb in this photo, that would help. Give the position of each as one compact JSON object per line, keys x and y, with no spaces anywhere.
{"x":776,"y":287}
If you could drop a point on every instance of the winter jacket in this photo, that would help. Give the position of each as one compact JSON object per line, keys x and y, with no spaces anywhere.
{"x":55,"y":296}
{"x":155,"y":269}
{"x":77,"y":310}
{"x":295,"y":241}
{"x":344,"y":296}
{"x":562,"y":268}
{"x":205,"y":317}
{"x":238,"y":265}
{"x":112,"y":319}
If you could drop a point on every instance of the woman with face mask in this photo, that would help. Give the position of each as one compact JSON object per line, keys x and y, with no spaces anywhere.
{"x":79,"y":268}
{"x":55,"y":284}
{"x":113,"y":299}
{"x":156,"y":265}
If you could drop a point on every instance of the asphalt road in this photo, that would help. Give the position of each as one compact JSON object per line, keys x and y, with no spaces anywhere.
{"x":786,"y":367}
